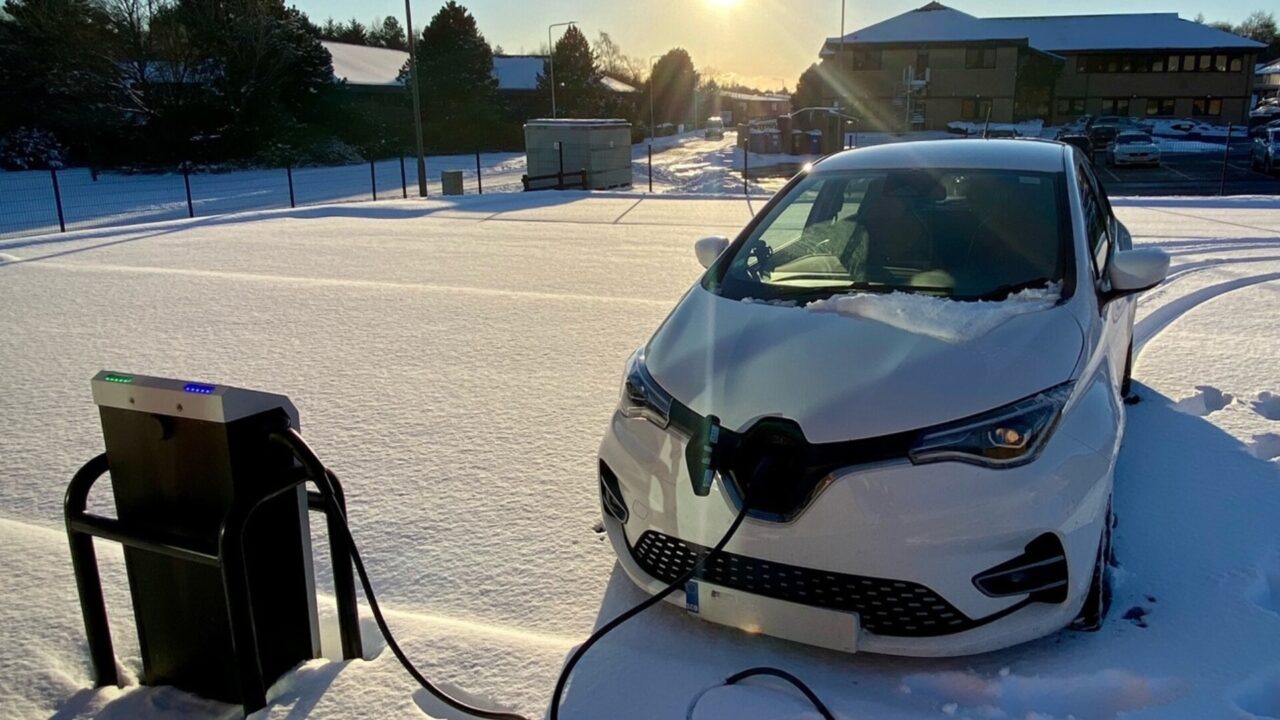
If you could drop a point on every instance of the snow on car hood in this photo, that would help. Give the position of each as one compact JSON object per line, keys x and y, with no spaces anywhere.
{"x":862,"y":374}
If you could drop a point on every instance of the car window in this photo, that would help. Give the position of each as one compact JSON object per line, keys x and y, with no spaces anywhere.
{"x":1096,"y":217}
{"x":954,"y":233}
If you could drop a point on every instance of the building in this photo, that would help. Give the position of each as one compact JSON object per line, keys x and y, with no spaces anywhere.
{"x":738,"y":107}
{"x":928,"y":67}
{"x":1267,"y":85}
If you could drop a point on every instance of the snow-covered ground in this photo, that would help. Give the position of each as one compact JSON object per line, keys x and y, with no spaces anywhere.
{"x":681,"y":163}
{"x":456,"y":362}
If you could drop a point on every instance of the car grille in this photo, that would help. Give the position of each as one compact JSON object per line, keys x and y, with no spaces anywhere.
{"x":884,"y":607}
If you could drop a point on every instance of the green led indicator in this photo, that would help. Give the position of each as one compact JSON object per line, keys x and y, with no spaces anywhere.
{"x":114,"y":378}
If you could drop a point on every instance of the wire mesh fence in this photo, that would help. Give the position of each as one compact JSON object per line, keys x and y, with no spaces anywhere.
{"x":44,"y":201}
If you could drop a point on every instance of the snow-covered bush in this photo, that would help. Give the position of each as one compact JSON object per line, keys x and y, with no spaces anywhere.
{"x":30,"y":149}
{"x":325,"y":151}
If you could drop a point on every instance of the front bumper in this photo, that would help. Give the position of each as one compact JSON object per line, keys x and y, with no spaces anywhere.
{"x":1119,"y":159}
{"x":913,"y":537}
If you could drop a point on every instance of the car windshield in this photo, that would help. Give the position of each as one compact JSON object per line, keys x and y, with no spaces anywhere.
{"x":1133,"y":140}
{"x":962,"y":234}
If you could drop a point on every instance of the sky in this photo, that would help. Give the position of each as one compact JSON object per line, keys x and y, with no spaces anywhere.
{"x":763,"y":43}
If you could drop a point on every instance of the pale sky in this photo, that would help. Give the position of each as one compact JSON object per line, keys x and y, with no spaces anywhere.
{"x":766,"y":43}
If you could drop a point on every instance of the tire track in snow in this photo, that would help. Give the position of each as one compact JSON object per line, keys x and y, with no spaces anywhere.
{"x":1160,"y":318}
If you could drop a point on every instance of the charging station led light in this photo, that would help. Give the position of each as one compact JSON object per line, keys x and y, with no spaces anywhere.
{"x":115,"y":378}
{"x":199,"y":388}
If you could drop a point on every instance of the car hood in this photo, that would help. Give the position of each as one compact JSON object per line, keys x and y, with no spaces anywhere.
{"x":844,"y":377}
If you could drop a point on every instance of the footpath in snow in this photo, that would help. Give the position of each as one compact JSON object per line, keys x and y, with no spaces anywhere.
{"x":456,"y":363}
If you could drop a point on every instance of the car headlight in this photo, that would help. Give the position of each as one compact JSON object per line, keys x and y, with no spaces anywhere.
{"x":1006,"y":437}
{"x":642,"y":397}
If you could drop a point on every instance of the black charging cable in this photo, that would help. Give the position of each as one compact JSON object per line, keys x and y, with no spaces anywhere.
{"x":311,"y":461}
{"x":293,"y":440}
{"x":649,"y":602}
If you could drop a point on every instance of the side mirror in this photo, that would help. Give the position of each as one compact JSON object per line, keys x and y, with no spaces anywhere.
{"x":709,"y":248}
{"x":1132,"y":271}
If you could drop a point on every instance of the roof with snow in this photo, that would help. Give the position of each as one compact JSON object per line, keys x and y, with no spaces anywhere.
{"x":363,"y":65}
{"x":1264,"y":69}
{"x":751,"y":97}
{"x":615,"y":85}
{"x":1051,"y":33}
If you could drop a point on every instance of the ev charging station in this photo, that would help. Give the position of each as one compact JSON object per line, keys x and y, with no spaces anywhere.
{"x":212,"y":509}
{"x":213,"y":513}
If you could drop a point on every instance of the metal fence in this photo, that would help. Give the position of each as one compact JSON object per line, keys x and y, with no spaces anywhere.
{"x":44,"y":201}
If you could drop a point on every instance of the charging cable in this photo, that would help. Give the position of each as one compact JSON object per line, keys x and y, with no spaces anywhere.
{"x":320,"y":474}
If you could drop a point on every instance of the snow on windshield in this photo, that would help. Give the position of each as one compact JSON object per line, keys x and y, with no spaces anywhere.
{"x":948,"y":320}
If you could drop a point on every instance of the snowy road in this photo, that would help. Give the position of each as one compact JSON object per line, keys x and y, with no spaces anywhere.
{"x":456,"y":363}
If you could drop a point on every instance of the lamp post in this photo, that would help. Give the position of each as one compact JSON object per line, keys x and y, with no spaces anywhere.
{"x":551,"y":58}
{"x":652,"y":128}
{"x":417,"y":104}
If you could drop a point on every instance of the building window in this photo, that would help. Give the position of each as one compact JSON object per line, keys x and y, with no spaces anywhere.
{"x":922,"y":63}
{"x":1220,"y":63}
{"x":1115,"y":106}
{"x":1157,"y":63}
{"x":1206,"y":106}
{"x":979,"y":58}
{"x":1174,"y":60}
{"x":866,"y":59}
{"x":1236,"y":64}
{"x":975,"y":108}
{"x":1070,"y":106}
{"x":1159,"y":107}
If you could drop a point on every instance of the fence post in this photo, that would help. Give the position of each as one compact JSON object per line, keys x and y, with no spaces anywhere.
{"x":186,"y":183}
{"x":560,"y":174}
{"x":288,"y":170}
{"x":1226,"y":153}
{"x":57,"y":200}
{"x":479,"y":182}
{"x":650,"y":167}
{"x":404,"y":183}
{"x":746,"y":159}
{"x":373,"y":180}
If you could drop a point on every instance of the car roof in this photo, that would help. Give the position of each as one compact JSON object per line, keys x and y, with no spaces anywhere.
{"x":975,"y":153}
{"x":1129,"y":133}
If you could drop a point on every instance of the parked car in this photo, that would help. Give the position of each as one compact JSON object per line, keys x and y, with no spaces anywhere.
{"x":1265,"y":154}
{"x":925,"y":473}
{"x":714,"y":129}
{"x":1101,"y":135}
{"x":1133,"y":148}
{"x":1261,"y":129}
{"x":994,"y":133}
{"x":1079,"y":140}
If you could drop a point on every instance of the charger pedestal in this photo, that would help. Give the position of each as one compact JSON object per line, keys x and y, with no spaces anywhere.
{"x":213,"y":514}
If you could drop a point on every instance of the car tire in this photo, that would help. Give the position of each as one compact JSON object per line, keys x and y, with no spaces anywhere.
{"x":1098,"y":600}
{"x":1126,"y":382}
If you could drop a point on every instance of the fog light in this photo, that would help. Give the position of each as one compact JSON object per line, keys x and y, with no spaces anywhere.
{"x":1041,"y":571}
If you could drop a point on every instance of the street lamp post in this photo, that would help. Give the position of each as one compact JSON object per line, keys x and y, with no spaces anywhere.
{"x":551,"y":58}
{"x":417,"y":104}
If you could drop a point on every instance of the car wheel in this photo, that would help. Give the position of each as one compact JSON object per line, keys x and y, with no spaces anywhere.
{"x":1097,"y":602}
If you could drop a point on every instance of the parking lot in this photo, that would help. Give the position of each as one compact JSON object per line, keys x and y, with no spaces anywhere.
{"x":1198,"y":173}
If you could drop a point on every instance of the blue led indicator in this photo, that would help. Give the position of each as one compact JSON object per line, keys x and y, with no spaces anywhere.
{"x":199,"y":388}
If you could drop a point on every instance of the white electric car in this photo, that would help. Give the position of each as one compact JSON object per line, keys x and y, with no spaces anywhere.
{"x":911,"y":365}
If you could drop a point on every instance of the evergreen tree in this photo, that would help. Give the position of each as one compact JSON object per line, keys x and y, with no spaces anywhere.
{"x":579,"y":93}
{"x":811,"y":89}
{"x":388,"y":33}
{"x":59,"y":71}
{"x":455,"y":77}
{"x":671,"y":85}
{"x":353,"y":32}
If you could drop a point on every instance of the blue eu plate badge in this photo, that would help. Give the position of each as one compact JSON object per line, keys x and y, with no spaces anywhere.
{"x":691,"y":596}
